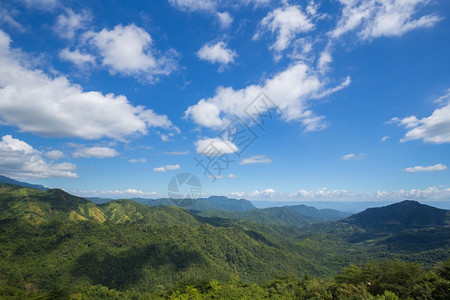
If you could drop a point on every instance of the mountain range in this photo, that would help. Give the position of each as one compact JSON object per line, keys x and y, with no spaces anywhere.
{"x":51,"y":240}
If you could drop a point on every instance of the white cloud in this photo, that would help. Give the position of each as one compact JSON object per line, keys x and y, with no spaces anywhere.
{"x":20,"y":160}
{"x":433,"y":129}
{"x":213,"y":5}
{"x":129,"y":193}
{"x":172,"y":167}
{"x":53,"y":107}
{"x":97,"y":152}
{"x":54,"y":154}
{"x":127,"y":50}
{"x":177,"y":152}
{"x":437,"y":167}
{"x":267,"y":193}
{"x":257,"y":159}
{"x":167,"y":168}
{"x":215,"y":147}
{"x":159,"y":169}
{"x":225,"y":19}
{"x":384,"y":138}
{"x":194,"y":5}
{"x":137,"y":160}
{"x":348,"y":156}
{"x":291,"y":90}
{"x":69,"y":23}
{"x":377,"y":18}
{"x":217,"y":53}
{"x":287,"y":22}
{"x":76,"y":57}
{"x":324,"y":194}
{"x":352,"y":156}
{"x":232,"y":176}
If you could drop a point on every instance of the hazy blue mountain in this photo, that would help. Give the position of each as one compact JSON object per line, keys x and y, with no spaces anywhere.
{"x":407,"y":212}
{"x":320,"y":214}
{"x":4,"y":179}
{"x":99,"y":200}
{"x":355,"y":206}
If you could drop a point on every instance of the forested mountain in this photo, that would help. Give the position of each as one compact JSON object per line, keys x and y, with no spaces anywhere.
{"x":407,"y":212}
{"x":297,"y":215}
{"x":56,"y":245}
{"x":200,"y":204}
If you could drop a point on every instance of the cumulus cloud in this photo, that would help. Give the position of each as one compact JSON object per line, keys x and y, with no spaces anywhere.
{"x":127,"y":50}
{"x":53,"y":107}
{"x":215,"y":147}
{"x":76,"y":57}
{"x":291,"y":90}
{"x":232,"y":176}
{"x":436,"y":167}
{"x":194,"y":5}
{"x":257,"y":159}
{"x":69,"y":23}
{"x":432,"y":129}
{"x":217,"y":53}
{"x":54,"y":154}
{"x":97,"y":152}
{"x":167,"y":168}
{"x":286,"y":22}
{"x":377,"y":18}
{"x":225,"y":19}
{"x":20,"y":160}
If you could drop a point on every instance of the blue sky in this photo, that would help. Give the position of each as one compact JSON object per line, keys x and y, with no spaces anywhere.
{"x":114,"y":98}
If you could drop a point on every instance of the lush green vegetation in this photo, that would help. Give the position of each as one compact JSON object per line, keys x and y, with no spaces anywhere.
{"x":55,"y":245}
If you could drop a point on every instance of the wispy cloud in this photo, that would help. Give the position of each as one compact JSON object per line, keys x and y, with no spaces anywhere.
{"x":137,"y":160}
{"x":436,"y":167}
{"x":97,"y":152}
{"x":352,"y":156}
{"x":257,"y":159}
{"x":166,"y":168}
{"x":177,"y":152}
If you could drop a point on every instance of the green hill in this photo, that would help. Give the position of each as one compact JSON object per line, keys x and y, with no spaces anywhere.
{"x":281,"y":216}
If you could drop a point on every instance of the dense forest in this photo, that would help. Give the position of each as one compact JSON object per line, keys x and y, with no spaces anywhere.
{"x":54,"y":245}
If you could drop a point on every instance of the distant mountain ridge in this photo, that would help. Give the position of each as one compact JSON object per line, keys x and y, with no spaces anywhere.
{"x":296,"y":215}
{"x":4,"y":179}
{"x":200,"y":204}
{"x":407,"y":212}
